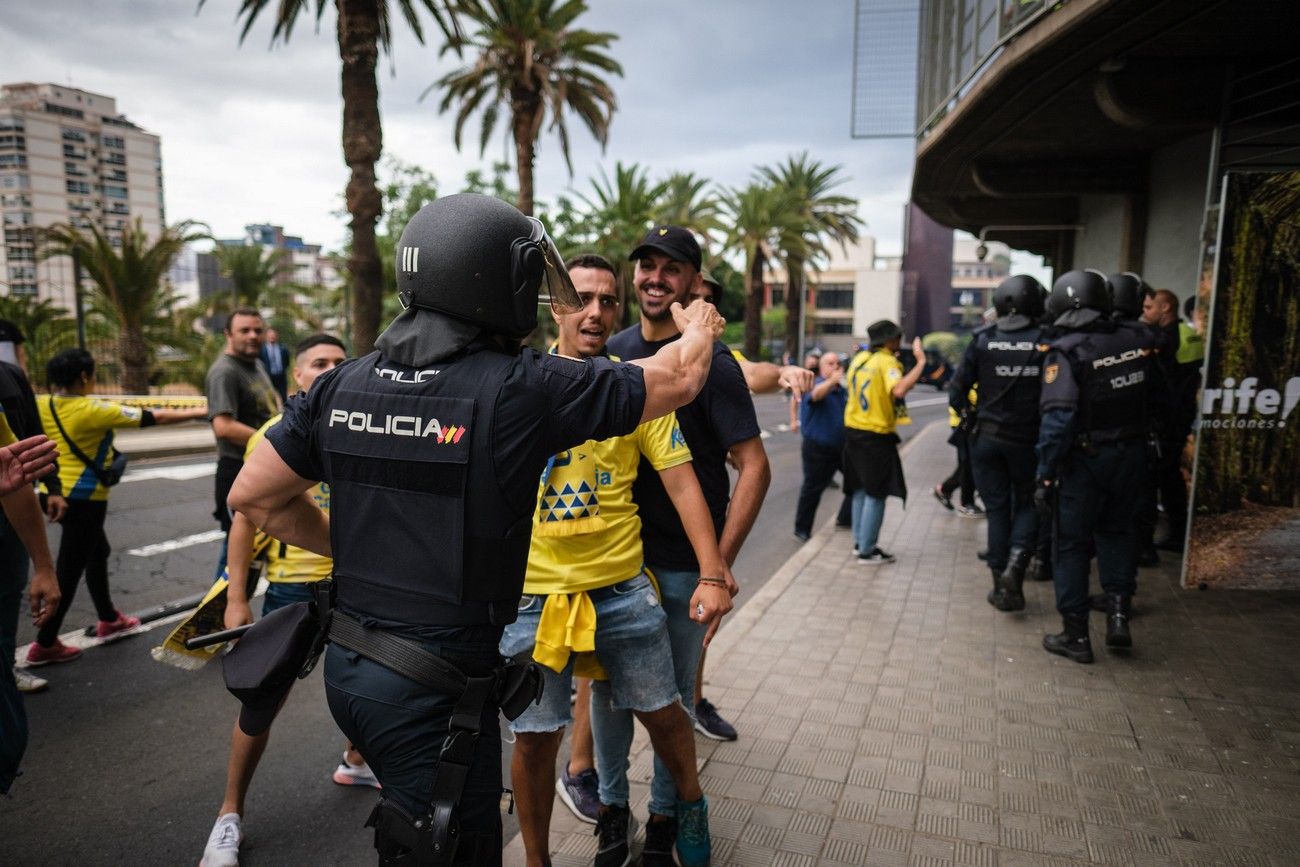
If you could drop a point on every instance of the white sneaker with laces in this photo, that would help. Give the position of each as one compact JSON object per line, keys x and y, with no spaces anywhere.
{"x":355,"y":775}
{"x":223,"y":842}
{"x":28,"y":682}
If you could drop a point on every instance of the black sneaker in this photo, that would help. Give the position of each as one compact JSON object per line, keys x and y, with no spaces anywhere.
{"x":660,"y":838}
{"x":945,"y":500}
{"x":616,"y":827}
{"x":710,"y":723}
{"x":876,"y":557}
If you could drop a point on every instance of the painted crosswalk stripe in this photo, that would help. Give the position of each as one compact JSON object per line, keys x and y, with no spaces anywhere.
{"x":181,"y":473}
{"x":176,"y":544}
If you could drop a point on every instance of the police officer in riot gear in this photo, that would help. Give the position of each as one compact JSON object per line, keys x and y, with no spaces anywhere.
{"x":432,"y":446}
{"x":1004,"y":360}
{"x":1128,"y":290}
{"x":1092,"y":456}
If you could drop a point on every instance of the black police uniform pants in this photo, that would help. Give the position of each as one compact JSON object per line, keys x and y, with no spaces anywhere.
{"x":1096,"y":505}
{"x":399,"y":727}
{"x":820,"y":463}
{"x":1004,"y":474}
{"x":1165,"y":483}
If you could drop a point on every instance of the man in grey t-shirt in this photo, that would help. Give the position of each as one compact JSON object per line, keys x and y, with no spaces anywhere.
{"x":240,"y":400}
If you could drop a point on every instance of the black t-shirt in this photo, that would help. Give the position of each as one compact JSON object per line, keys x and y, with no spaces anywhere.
{"x":719,"y":417}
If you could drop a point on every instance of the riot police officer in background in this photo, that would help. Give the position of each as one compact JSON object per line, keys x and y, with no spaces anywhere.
{"x":432,"y":446}
{"x":1004,"y":360}
{"x":1092,"y":456}
{"x":1129,"y":294}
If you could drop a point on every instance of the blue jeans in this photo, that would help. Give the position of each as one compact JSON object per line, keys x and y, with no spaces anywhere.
{"x":631,"y":643}
{"x":13,"y":719}
{"x":400,"y":727}
{"x":282,"y":593}
{"x":868,"y":515}
{"x":611,"y":727}
{"x":1004,"y":474}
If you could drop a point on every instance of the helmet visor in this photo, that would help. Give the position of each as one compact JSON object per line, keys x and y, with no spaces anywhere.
{"x":556,"y":289}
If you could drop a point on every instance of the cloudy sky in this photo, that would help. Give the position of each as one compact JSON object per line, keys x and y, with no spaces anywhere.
{"x":251,"y":134}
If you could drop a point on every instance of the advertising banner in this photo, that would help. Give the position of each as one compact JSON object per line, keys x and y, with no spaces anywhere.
{"x":1245,"y":526}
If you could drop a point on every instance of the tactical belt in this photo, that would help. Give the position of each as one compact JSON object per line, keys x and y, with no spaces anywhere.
{"x":512,"y":686}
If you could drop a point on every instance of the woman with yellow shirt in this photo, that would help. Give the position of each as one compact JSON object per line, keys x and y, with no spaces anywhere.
{"x":78,"y":423}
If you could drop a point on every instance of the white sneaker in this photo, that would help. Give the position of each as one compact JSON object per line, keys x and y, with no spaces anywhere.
{"x":29,"y":682}
{"x":223,"y":842}
{"x":354,"y":775}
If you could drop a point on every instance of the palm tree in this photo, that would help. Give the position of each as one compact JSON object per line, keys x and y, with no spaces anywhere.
{"x":621,"y":209}
{"x":45,"y":326}
{"x":364,"y":28}
{"x":532,"y":63}
{"x":128,"y":286}
{"x":251,"y":269}
{"x":757,"y":215}
{"x":823,"y":218}
{"x":688,"y":202}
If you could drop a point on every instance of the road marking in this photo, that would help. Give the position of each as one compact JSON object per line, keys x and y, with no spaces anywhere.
{"x":176,"y":544}
{"x":182,"y":473}
{"x":929,"y":401}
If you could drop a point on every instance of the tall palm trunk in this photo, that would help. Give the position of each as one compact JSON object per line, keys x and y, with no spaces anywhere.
{"x":134,"y":353}
{"x":358,"y":26}
{"x":526,"y":112}
{"x":795,"y":290}
{"x":754,"y":305}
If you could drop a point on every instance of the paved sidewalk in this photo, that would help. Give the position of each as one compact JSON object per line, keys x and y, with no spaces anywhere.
{"x":194,"y":437}
{"x":889,"y":715}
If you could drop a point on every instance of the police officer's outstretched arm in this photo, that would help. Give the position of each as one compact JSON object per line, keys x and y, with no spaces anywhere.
{"x":275,"y":499}
{"x":676,"y":373}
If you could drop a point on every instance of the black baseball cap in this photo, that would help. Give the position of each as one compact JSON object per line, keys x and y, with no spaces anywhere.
{"x":262,"y":667}
{"x":673,"y":241}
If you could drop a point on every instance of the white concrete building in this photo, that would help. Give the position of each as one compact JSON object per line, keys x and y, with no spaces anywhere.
{"x":68,"y":156}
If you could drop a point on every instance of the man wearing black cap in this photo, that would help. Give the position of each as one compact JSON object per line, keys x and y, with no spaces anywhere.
{"x":719,"y":421}
{"x":432,"y":447}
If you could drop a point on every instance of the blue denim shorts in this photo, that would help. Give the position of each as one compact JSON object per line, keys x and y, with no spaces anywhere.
{"x":631,"y":643}
{"x":282,"y":593}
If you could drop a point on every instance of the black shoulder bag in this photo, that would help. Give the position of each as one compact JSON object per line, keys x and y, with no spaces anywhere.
{"x":107,"y":477}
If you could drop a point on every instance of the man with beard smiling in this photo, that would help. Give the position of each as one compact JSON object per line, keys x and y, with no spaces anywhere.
{"x":721,"y":419}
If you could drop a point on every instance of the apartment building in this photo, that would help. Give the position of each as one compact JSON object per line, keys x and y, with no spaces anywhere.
{"x":69,"y":156}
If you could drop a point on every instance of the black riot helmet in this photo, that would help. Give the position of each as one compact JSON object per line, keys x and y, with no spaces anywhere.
{"x":1020,"y":294}
{"x":1078,"y":290}
{"x":479,"y":260}
{"x":1129,"y":290}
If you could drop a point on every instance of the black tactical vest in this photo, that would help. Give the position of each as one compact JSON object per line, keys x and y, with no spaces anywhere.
{"x":1112,"y":368}
{"x":421,"y":529}
{"x":1009,"y":366}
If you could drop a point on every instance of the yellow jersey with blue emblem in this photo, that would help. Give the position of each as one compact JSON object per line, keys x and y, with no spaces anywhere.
{"x":871,"y":405}
{"x":90,"y":424}
{"x":586,"y":531}
{"x":285,"y":563}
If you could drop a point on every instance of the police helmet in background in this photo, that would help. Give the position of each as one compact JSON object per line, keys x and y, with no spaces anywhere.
{"x":1019,"y":294}
{"x":479,"y":260}
{"x":1129,"y":290}
{"x":1080,"y":290}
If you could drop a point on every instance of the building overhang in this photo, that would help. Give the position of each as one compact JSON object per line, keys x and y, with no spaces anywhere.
{"x":1076,"y":104}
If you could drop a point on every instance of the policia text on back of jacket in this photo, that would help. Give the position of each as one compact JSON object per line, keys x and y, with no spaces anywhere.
{"x":432,"y":447}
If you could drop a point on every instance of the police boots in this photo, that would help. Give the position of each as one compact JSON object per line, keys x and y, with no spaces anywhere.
{"x":1012,"y":580}
{"x":1072,"y":642}
{"x":1117,"y":616}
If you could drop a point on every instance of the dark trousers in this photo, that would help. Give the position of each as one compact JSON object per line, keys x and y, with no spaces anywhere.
{"x":962,"y":477}
{"x":820,"y":463}
{"x":227,"y":469}
{"x":400,"y":727}
{"x":1166,"y":482}
{"x":1004,"y":474}
{"x":1096,"y":506}
{"x":83,"y":548}
{"x":13,"y":719}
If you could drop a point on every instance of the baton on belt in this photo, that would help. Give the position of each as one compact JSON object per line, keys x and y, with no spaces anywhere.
{"x":212,"y":638}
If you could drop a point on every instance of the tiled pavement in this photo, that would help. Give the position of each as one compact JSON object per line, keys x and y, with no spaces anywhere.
{"x":888,"y":715}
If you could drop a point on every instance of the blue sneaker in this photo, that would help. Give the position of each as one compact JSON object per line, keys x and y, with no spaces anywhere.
{"x":580,"y":793}
{"x":710,"y":723}
{"x":693,"y":846}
